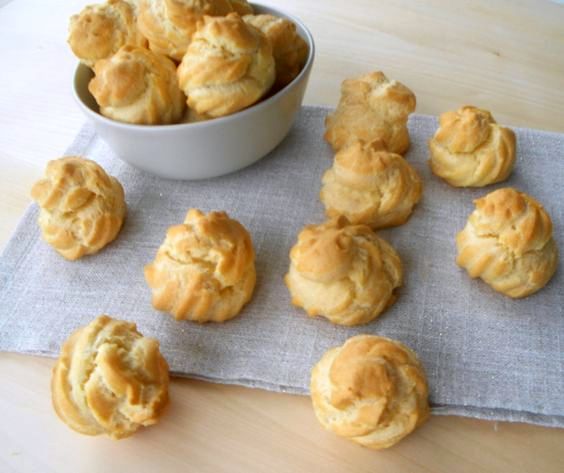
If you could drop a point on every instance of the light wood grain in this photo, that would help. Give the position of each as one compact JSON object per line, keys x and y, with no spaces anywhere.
{"x":506,"y":56}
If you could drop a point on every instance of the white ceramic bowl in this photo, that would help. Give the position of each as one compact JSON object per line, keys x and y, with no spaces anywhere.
{"x":205,"y":149}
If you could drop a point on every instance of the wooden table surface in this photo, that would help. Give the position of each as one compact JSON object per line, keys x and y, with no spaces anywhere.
{"x":505,"y":56}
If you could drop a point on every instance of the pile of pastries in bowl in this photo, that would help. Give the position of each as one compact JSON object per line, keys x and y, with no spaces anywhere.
{"x":160,"y":62}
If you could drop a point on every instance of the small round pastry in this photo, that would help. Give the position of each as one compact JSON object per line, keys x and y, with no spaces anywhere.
{"x":205,"y":269}
{"x":288,"y":47}
{"x":228,"y":66}
{"x":82,"y":208}
{"x":508,"y":243}
{"x":138,"y":86}
{"x":242,"y":7}
{"x":471,"y":150}
{"x":170,"y":24}
{"x":372,"y":390}
{"x":98,"y":31}
{"x":370,"y":185}
{"x":371,"y":107}
{"x":109,"y":379}
{"x":343,"y":272}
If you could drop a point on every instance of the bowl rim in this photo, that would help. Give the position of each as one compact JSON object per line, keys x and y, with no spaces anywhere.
{"x":256,"y":108}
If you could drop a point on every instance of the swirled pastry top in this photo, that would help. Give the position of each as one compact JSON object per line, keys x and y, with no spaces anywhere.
{"x":82,"y":208}
{"x":109,"y":379}
{"x":372,"y":390}
{"x":205,"y":269}
{"x":138,"y":86}
{"x":170,"y":24}
{"x":371,"y":107}
{"x":508,"y":242}
{"x":98,"y":31}
{"x":471,"y":150}
{"x":369,"y":185}
{"x":343,"y":272}
{"x":289,"y":49}
{"x":228,"y":66}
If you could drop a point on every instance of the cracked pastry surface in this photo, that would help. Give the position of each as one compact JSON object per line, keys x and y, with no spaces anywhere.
{"x":170,"y":24}
{"x":227,"y":67}
{"x":138,"y":86}
{"x":508,"y":243}
{"x":109,"y":379}
{"x":471,"y":150}
{"x":371,"y":107}
{"x":369,"y":185}
{"x":288,"y":48}
{"x":343,"y":272}
{"x":371,"y":390}
{"x":98,"y":31}
{"x":82,"y":208}
{"x":205,"y":269}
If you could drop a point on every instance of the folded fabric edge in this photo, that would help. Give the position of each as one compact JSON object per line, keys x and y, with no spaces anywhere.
{"x":475,"y":412}
{"x":82,"y":140}
{"x":482,"y":413}
{"x":498,"y":414}
{"x":13,"y":244}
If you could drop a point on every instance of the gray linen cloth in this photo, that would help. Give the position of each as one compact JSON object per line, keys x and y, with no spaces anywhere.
{"x":486,"y":355}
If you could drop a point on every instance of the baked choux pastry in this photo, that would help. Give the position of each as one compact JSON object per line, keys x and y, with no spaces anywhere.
{"x":82,"y":208}
{"x":471,"y":150}
{"x":170,"y":24}
{"x":288,"y":47}
{"x":205,"y":269}
{"x":109,"y":379}
{"x":228,"y":66}
{"x":370,"y":185}
{"x":508,"y":243}
{"x":242,"y":7}
{"x":372,"y":390}
{"x":138,"y":86}
{"x":371,"y":107}
{"x":343,"y":272}
{"x":98,"y":31}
